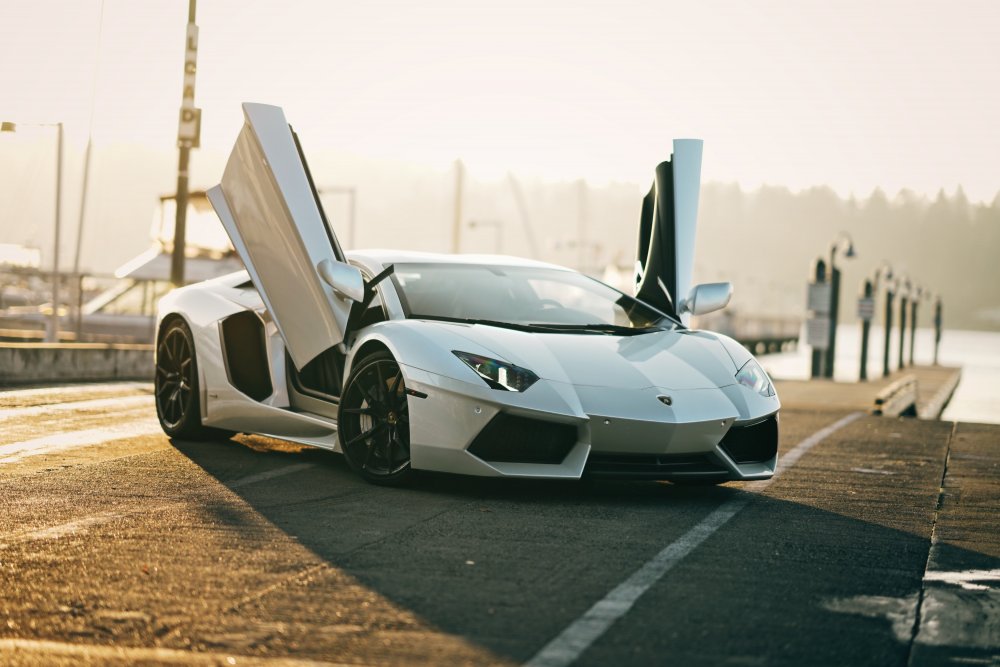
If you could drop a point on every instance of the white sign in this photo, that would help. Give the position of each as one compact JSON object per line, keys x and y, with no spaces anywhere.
{"x":818,"y":298}
{"x":818,"y":332}
{"x":866,"y":308}
{"x":189,"y":128}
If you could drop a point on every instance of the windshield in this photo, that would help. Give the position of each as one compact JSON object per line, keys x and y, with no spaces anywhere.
{"x":533,"y":298}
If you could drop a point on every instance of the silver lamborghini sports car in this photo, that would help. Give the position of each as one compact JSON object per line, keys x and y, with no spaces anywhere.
{"x":479,"y":365}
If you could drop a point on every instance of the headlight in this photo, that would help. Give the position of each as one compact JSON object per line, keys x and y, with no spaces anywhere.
{"x":752,"y":376}
{"x":498,"y":374}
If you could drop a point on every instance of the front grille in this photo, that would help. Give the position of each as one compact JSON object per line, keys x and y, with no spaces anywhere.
{"x":651,"y":466}
{"x":512,"y":439}
{"x":752,"y":444}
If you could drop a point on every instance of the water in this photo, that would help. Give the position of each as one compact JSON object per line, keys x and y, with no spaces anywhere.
{"x":977,"y":398}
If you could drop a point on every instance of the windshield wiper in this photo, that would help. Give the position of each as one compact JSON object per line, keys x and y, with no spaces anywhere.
{"x":538,"y":327}
{"x":608,"y":329}
{"x":531,"y":328}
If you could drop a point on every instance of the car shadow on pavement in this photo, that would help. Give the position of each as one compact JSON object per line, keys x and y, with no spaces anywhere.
{"x":506,"y":565}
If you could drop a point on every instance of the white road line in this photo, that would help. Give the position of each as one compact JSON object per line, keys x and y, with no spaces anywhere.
{"x":61,"y":530}
{"x":584,"y":631}
{"x":57,"y":442}
{"x":78,"y":525}
{"x":119,"y":403}
{"x":70,"y":389}
{"x":133,"y":655}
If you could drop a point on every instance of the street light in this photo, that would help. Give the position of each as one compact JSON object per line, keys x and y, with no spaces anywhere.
{"x":866,"y":311}
{"x":844,"y":242}
{"x":919,"y":292}
{"x":52,"y":335}
{"x":904,"y":293}
{"x":885,"y":271}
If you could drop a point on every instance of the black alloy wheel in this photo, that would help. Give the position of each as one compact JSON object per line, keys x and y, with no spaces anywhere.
{"x":374,"y":421}
{"x":178,"y":406}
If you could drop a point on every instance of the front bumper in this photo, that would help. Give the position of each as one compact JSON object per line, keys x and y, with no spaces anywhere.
{"x":621,"y":433}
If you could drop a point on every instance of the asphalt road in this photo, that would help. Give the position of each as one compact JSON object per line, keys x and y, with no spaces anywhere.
{"x":876,"y":545}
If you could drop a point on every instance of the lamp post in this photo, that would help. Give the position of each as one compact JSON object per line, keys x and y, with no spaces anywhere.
{"x":937,"y":327}
{"x":52,"y":334}
{"x":867,"y":297}
{"x":866,"y":311}
{"x":817,"y":307}
{"x":842,"y":240}
{"x":885,"y":271}
{"x":913,"y":318}
{"x":890,"y":295}
{"x":904,"y":293}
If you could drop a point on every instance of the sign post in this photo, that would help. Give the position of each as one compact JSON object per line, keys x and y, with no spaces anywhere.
{"x":818,"y":324}
{"x":188,"y":135}
{"x":866,"y":311}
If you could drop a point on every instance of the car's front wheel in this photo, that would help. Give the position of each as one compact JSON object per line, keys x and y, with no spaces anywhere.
{"x":374,"y":421}
{"x":178,"y":406}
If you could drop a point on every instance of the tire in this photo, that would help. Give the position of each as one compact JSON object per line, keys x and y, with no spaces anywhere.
{"x":178,"y":403}
{"x":373,"y":421}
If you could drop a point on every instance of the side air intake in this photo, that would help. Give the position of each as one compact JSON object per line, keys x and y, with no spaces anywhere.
{"x":752,"y":444}
{"x":512,"y":439}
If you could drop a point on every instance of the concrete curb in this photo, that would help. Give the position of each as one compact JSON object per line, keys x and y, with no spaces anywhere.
{"x":36,"y":363}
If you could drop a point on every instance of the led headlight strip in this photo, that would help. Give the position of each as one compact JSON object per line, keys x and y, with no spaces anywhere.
{"x":752,"y":376}
{"x":498,"y":374}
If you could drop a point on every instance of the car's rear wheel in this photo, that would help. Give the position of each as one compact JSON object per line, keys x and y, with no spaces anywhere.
{"x":178,"y":405}
{"x":374,"y":421}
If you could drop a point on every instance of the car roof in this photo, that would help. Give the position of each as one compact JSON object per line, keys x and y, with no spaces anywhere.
{"x":386,"y":257}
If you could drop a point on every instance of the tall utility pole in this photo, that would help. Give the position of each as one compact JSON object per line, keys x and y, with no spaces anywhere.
{"x":78,"y":319}
{"x":456,"y":225}
{"x":188,"y":132}
{"x":53,"y":336}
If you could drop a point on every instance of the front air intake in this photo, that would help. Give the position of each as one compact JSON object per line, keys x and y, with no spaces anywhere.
{"x":512,"y":439}
{"x":757,"y":443}
{"x":653,"y":466}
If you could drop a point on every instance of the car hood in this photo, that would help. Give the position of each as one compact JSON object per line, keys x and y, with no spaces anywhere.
{"x":665,"y":359}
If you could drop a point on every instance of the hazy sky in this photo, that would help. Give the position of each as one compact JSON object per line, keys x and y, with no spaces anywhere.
{"x":852,"y":94}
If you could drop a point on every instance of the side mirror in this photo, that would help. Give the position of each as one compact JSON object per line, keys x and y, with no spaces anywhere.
{"x":346,"y":280}
{"x":707,"y":298}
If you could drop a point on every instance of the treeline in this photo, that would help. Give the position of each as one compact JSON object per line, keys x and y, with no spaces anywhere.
{"x":766,"y":240}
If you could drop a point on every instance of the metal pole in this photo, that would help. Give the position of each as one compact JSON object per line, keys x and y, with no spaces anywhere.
{"x":913,"y":324}
{"x":889,"y":296}
{"x":902,"y":328}
{"x":78,"y":311}
{"x":53,"y":333}
{"x":78,"y":323}
{"x":456,"y":224}
{"x":866,"y":325}
{"x":181,"y":200}
{"x":818,"y":356}
{"x":937,"y":329}
{"x":831,"y":351}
